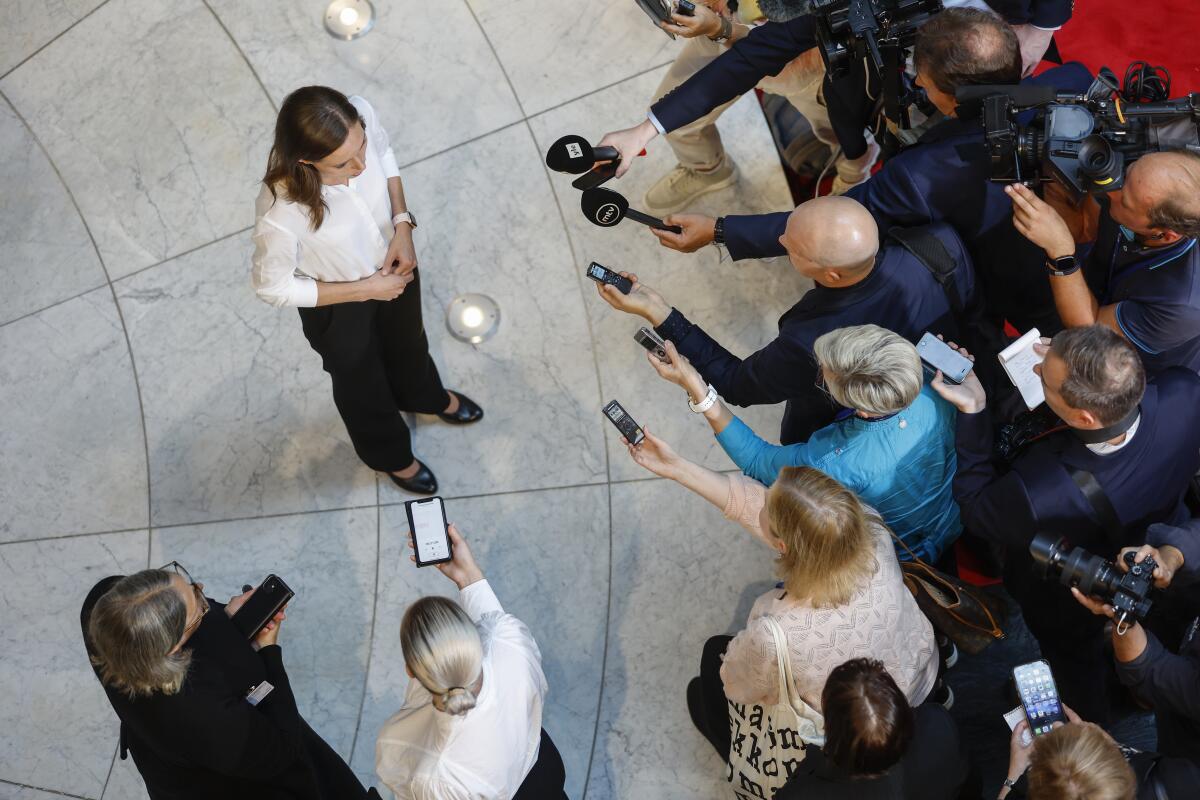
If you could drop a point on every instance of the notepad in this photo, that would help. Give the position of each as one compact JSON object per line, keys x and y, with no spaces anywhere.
{"x":1018,"y":360}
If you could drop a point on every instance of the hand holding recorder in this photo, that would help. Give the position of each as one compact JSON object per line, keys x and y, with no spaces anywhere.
{"x":639,"y":300}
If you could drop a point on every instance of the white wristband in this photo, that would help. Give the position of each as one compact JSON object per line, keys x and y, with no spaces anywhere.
{"x":708,"y":402}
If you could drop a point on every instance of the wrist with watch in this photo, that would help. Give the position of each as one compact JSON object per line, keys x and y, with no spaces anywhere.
{"x":710,"y":399}
{"x":404,"y":216}
{"x":719,"y":231}
{"x":726,"y":31}
{"x":1063,"y":266}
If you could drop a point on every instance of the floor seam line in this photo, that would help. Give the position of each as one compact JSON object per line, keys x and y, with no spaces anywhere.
{"x":58,"y":36}
{"x":238,"y":47}
{"x":362,"y":702}
{"x":112,"y":290}
{"x":55,"y":304}
{"x":48,"y":791}
{"x":182,"y":253}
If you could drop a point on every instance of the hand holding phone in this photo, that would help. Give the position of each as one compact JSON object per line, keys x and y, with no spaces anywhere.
{"x":261,"y":607}
{"x":940,"y":356}
{"x":429,"y":531}
{"x":1039,"y":696}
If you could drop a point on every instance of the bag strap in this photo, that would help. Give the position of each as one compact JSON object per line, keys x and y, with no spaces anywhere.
{"x":787,"y":684}
{"x":1106,"y":515}
{"x":932,"y":576}
{"x":929,"y":250}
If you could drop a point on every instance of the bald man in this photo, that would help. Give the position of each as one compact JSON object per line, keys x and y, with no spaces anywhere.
{"x":834,"y":242}
{"x":1142,"y":275}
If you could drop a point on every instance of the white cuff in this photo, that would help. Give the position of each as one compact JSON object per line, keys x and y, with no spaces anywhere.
{"x":657,"y":125}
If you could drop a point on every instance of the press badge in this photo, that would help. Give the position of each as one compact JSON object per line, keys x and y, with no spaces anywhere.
{"x":257,"y":694}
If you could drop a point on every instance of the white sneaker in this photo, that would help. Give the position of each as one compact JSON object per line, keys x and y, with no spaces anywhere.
{"x":678,"y":188}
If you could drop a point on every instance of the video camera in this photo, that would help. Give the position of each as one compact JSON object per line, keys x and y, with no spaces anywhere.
{"x":1127,"y":592}
{"x":1084,"y":141}
{"x":852,"y":30}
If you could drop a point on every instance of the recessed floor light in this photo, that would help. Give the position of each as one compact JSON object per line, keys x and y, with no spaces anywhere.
{"x":349,"y":19}
{"x":473,"y":318}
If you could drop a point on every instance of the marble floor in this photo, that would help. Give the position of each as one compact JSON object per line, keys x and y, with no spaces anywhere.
{"x":154,"y":409}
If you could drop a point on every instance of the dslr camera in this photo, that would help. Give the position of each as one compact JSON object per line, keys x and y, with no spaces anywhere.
{"x":852,"y":30}
{"x":1084,"y":141}
{"x":1127,"y":592}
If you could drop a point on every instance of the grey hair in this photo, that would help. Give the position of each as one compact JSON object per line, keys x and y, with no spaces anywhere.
{"x":1104,"y":372}
{"x":133,"y":627}
{"x":870,"y":369}
{"x":443,"y":651}
{"x":784,"y":10}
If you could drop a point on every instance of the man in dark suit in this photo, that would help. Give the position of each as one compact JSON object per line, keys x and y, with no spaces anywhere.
{"x":944,"y":177}
{"x":835,"y":242}
{"x":1133,"y":445}
{"x":789,"y":32}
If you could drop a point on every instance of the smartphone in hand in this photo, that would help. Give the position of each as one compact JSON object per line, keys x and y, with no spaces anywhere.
{"x":938,"y":355}
{"x":270,"y":596}
{"x":1039,"y":696}
{"x":430,"y":533}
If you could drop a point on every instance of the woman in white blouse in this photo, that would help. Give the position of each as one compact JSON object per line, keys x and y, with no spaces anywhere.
{"x":333,"y":237}
{"x":471,"y":724}
{"x":842,"y":594}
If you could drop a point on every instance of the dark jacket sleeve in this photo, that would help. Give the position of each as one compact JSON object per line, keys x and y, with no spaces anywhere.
{"x":1164,"y":679}
{"x":755,"y":235}
{"x":1186,"y":539}
{"x":782,"y":370}
{"x":993,"y":506}
{"x":894,"y":196}
{"x":766,"y":50}
{"x":1042,"y":13}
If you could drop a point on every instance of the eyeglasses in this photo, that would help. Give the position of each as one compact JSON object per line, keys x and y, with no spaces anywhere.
{"x":197,"y":589}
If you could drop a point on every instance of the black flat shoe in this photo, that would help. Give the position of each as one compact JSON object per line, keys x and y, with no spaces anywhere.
{"x":468,"y":411}
{"x":423,"y":482}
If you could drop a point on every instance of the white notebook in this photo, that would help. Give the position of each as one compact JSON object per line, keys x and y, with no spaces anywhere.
{"x":1018,"y":360}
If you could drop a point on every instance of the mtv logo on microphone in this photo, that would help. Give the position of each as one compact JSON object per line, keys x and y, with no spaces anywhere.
{"x":574,"y":150}
{"x":608,"y":214}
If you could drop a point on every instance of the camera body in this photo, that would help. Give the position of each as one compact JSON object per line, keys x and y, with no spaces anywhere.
{"x":1085,"y":142}
{"x":1127,"y":592}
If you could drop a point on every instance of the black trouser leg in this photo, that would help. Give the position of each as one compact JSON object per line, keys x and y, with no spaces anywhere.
{"x":345,"y":337}
{"x":712,"y":713}
{"x":411,"y":373}
{"x":548,"y":776}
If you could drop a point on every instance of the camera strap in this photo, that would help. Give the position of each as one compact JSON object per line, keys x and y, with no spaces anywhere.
{"x":1106,"y":515}
{"x":929,"y":250}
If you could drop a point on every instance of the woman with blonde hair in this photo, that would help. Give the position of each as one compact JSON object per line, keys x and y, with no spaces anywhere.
{"x":471,"y":723}
{"x":1075,"y":761}
{"x":204,"y":712}
{"x":892,"y":444}
{"x":842,"y":595}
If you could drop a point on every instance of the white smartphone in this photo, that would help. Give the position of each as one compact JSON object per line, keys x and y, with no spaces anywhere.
{"x":430,"y":533}
{"x":1039,"y":696}
{"x":937,"y":354}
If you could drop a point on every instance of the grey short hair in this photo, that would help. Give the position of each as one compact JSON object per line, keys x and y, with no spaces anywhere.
{"x":443,"y":651}
{"x":132,"y":629}
{"x":870,"y":369}
{"x":1104,"y":372}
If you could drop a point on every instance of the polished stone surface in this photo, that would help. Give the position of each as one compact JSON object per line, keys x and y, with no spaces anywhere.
{"x":249,"y":469}
{"x":159,"y":160}
{"x":48,"y":256}
{"x":31,"y":24}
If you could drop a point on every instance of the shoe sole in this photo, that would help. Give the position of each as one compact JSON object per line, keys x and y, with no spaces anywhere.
{"x":660,"y":211}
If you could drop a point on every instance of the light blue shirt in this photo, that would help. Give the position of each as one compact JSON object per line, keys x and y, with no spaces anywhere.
{"x":902,"y":465}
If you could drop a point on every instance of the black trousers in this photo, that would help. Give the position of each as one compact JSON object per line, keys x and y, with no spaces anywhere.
{"x":548,"y":776}
{"x":712,"y":714}
{"x":377,"y":356}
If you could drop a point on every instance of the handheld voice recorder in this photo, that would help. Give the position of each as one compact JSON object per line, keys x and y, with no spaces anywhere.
{"x":623,"y":422}
{"x":602,"y":274}
{"x":649,"y":340}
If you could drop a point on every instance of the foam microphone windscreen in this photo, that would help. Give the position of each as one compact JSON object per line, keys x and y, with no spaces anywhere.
{"x":603,"y":207}
{"x":571,"y":154}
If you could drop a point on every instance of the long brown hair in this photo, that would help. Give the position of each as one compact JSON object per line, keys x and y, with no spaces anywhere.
{"x":828,"y":531}
{"x":313,"y":122}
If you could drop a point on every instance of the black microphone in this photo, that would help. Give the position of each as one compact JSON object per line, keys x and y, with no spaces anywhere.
{"x":575,"y":155}
{"x":606,"y":208}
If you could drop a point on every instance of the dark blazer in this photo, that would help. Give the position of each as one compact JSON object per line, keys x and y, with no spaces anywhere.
{"x":206,"y":742}
{"x":900,"y":294}
{"x":934,"y":768}
{"x":945,"y":178}
{"x":768,"y":48}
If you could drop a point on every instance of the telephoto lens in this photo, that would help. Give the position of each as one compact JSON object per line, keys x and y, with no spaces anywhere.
{"x":1127,"y":592}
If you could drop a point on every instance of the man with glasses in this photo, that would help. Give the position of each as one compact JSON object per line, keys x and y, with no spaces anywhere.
{"x":834,"y":242}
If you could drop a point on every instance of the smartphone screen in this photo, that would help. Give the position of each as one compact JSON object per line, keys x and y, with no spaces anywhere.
{"x":937,"y":354}
{"x":430,"y":538}
{"x":1039,"y":696}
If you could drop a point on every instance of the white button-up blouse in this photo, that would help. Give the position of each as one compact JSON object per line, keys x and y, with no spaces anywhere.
{"x":289,"y":257}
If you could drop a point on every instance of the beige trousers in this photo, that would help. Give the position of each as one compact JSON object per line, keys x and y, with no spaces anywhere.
{"x":698,"y":144}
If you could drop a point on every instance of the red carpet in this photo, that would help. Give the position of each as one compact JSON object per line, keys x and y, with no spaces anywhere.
{"x":1115,"y":33}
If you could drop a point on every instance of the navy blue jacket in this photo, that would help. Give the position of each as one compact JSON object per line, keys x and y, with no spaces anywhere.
{"x":1145,"y":480}
{"x":768,"y":48}
{"x":945,"y":177}
{"x":899,"y":294}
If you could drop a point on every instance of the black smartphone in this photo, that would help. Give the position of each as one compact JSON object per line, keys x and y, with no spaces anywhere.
{"x":937,"y":354}
{"x":649,"y":340}
{"x":270,"y":596}
{"x":430,"y":533}
{"x":1039,"y":696}
{"x":602,"y":274}
{"x":620,"y":417}
{"x":685,"y":8}
{"x":597,"y":175}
